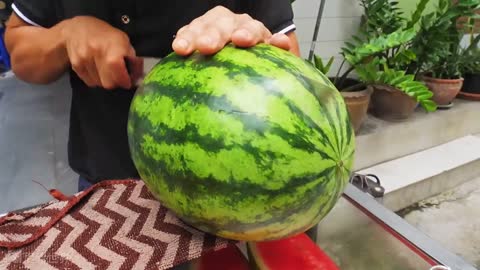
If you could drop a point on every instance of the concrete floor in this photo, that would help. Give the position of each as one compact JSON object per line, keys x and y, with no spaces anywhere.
{"x":453,"y":219}
{"x":33,"y":139}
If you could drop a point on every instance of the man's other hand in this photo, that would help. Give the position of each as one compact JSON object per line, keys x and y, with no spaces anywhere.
{"x":211,"y":32}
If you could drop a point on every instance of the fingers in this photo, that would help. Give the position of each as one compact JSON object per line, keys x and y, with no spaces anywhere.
{"x":113,"y":72}
{"x":208,"y":33}
{"x":183,"y":43}
{"x":281,"y":41}
{"x":250,"y":33}
{"x":93,"y":74}
{"x":206,"y":37}
{"x":84,"y":67}
{"x":211,"y":32}
{"x":83,"y":73}
{"x":210,"y":43}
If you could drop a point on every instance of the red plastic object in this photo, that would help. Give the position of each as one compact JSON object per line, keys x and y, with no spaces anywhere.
{"x":295,"y":253}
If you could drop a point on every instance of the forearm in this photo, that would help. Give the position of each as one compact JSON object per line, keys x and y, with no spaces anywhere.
{"x":38,"y":55}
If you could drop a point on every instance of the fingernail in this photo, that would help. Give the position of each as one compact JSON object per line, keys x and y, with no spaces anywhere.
{"x":181,"y":44}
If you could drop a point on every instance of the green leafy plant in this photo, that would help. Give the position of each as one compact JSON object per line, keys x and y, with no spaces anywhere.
{"x":471,"y":62}
{"x":385,"y":33}
{"x":384,"y":18}
{"x":371,"y":74}
{"x":356,"y":52}
{"x":321,"y":66}
{"x":381,"y":17}
{"x":438,"y":42}
{"x":381,"y":54}
{"x":471,"y":54}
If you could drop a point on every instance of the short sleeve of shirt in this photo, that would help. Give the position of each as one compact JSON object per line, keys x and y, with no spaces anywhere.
{"x":37,"y":12}
{"x":276,"y":15}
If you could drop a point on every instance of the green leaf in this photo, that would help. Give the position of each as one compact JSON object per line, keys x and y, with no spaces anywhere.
{"x":425,"y":95}
{"x":350,"y":45}
{"x":329,"y":64}
{"x":321,"y":66}
{"x":417,"y":15}
{"x":379,"y":45}
{"x":318,"y":62}
{"x":401,"y":79}
{"x":429,"y":105}
{"x":398,"y":80}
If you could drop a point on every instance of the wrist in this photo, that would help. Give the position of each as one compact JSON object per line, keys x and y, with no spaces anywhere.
{"x":63,"y":31}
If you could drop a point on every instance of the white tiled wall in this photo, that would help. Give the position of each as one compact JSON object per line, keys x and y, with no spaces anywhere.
{"x":340,"y":20}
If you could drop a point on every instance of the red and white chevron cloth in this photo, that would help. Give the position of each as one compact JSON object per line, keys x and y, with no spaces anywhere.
{"x":112,"y":225}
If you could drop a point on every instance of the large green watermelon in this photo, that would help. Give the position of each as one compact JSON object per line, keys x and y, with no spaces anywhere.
{"x":248,"y":144}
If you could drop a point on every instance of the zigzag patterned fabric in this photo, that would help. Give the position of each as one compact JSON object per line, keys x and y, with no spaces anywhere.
{"x":112,"y":225}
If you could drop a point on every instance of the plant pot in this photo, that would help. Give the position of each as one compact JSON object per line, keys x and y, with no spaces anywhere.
{"x":391,"y":104}
{"x":348,"y":83}
{"x":444,"y":90}
{"x":357,"y":106}
{"x":471,"y":87}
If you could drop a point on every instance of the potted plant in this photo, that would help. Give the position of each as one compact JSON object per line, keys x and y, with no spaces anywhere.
{"x":357,"y":103}
{"x":380,"y":55}
{"x":471,"y":86}
{"x":355,"y":94}
{"x":438,"y":49}
{"x":471,"y":69}
{"x":396,"y":94}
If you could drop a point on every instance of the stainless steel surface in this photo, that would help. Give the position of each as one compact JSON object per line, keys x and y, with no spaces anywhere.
{"x":407,"y":231}
{"x":356,"y":242}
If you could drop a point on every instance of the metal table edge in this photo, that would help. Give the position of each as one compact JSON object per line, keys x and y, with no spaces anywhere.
{"x":426,"y":244}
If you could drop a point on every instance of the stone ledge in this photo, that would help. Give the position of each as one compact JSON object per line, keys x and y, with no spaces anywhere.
{"x":379,"y":141}
{"x":416,"y":177}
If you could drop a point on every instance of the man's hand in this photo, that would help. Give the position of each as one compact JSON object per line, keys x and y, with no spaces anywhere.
{"x":98,"y":53}
{"x":211,"y":32}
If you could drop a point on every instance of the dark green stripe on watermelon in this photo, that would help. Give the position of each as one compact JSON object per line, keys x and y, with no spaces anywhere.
{"x":251,"y":123}
{"x":256,"y":78}
{"x":232,"y":193}
{"x":314,"y":87}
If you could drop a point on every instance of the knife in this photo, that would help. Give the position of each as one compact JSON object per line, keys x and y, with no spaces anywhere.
{"x":139,"y":67}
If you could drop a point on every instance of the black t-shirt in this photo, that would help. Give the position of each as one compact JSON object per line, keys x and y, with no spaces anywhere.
{"x":97,"y":145}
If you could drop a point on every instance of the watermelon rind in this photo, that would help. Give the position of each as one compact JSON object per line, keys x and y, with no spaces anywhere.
{"x":248,"y":144}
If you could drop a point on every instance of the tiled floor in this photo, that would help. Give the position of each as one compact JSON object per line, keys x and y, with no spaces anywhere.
{"x":33,"y":139}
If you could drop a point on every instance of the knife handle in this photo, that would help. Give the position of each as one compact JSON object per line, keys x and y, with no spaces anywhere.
{"x":134,"y":66}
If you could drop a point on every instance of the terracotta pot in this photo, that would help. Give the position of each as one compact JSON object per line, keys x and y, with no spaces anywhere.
{"x":357,"y":105}
{"x":444,"y":90}
{"x":391,"y":104}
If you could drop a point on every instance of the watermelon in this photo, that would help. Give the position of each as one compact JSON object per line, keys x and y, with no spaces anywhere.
{"x":297,"y":252}
{"x":247,"y":144}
